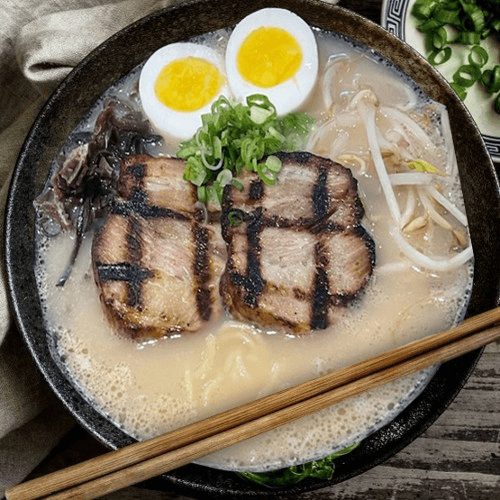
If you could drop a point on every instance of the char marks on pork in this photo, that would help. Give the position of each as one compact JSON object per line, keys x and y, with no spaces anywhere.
{"x":157,"y":261}
{"x":296,"y":250}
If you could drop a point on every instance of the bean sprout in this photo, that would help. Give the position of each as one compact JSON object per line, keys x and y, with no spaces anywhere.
{"x":367,"y":112}
{"x":346,"y":157}
{"x":411,"y":203}
{"x":447,"y":205}
{"x":434,"y":215}
{"x":328,"y":79}
{"x":395,"y":138}
{"x":451,"y":165}
{"x":365,"y":103}
{"x":413,"y":178}
{"x":408,"y":124}
{"x":429,"y":263}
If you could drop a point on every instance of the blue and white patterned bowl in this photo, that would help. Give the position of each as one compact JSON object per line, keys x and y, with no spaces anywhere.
{"x":398,"y":20}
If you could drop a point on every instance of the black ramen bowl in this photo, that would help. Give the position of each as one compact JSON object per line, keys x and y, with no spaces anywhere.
{"x":114,"y":59}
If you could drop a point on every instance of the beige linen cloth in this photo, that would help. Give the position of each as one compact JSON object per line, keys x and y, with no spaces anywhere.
{"x":40,"y":42}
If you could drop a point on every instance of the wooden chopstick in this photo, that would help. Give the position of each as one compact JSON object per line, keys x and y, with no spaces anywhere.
{"x":141,"y":461}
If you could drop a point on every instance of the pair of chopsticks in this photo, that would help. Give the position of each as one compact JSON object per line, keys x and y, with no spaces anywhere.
{"x":138,"y":462}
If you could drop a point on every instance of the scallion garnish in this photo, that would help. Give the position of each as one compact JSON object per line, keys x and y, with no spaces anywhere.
{"x":318,"y":469}
{"x":235,"y":218}
{"x":460,"y":91}
{"x":236,"y":136}
{"x":446,"y":23}
{"x":491,"y":79}
{"x":468,"y":38}
{"x":467,"y":75}
{"x":478,"y":56}
{"x":439,"y":56}
{"x":497,"y":103}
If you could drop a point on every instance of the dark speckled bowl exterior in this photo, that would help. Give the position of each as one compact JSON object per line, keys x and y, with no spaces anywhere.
{"x":116,"y":57}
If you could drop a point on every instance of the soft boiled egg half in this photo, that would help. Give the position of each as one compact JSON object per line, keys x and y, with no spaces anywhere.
{"x":273,"y":52}
{"x":179,"y":83}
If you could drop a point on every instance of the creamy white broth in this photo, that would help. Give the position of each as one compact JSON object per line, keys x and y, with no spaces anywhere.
{"x":154,"y":387}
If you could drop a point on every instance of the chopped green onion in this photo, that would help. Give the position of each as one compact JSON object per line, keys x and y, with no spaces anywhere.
{"x":440,"y":56}
{"x":467,"y":75}
{"x":439,"y":38}
{"x":221,"y":105}
{"x":446,"y":16}
{"x":422,"y":9}
{"x":485,"y":33}
{"x":237,"y":184}
{"x":497,"y":103}
{"x":478,"y":56}
{"x":214,"y":193}
{"x":195,"y":171}
{"x":236,"y":136}
{"x":475,"y":16}
{"x":235,"y":218}
{"x":461,"y":22}
{"x":429,"y":25}
{"x":202,"y":194}
{"x":495,"y":24}
{"x":224,"y":177}
{"x":259,"y":115}
{"x":273,"y":163}
{"x":461,"y":91}
{"x":491,"y":79}
{"x":268,"y":176}
{"x":468,"y":38}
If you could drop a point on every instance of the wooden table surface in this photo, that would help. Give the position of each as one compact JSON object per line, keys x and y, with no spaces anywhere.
{"x":457,"y":458}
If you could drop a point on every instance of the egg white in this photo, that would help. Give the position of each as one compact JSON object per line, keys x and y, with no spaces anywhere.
{"x":179,"y":124}
{"x":290,"y":94}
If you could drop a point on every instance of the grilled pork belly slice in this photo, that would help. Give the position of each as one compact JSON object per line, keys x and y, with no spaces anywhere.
{"x":296,"y":250}
{"x":157,"y":263}
{"x":310,"y":189}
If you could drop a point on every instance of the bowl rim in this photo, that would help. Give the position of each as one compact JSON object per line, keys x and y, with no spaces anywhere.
{"x":41,"y":143}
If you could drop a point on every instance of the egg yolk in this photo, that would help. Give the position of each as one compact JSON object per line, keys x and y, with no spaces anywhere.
{"x":188,"y":84}
{"x":269,"y":56}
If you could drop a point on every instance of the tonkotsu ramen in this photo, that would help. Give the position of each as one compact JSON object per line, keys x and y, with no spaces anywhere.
{"x":239,"y":332}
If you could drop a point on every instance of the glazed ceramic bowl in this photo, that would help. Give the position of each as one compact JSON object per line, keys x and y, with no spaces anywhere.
{"x":114,"y":59}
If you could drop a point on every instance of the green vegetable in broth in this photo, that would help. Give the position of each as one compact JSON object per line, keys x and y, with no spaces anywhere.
{"x":236,"y":136}
{"x":317,"y":469}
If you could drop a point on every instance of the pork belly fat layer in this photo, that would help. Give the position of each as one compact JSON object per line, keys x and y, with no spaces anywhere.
{"x":310,"y":189}
{"x":296,"y":250}
{"x":156,"y":265}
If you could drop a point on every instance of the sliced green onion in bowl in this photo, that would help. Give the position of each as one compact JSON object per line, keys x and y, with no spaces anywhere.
{"x":225,"y":176}
{"x":273,"y":163}
{"x":460,"y":91}
{"x":447,"y":15}
{"x":468,"y":38}
{"x":478,"y":56}
{"x":268,"y":176}
{"x":497,"y":103}
{"x":239,"y":135}
{"x":467,"y":75}
{"x":436,"y":40}
{"x":490,"y":78}
{"x":440,"y":56}
{"x":422,"y":9}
